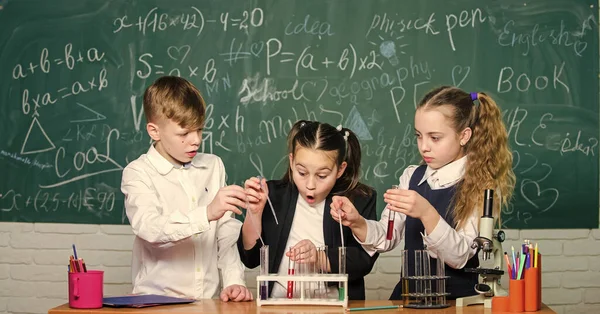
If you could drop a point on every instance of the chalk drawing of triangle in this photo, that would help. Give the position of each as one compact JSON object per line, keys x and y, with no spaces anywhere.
{"x":96,"y":116}
{"x":40,"y":142}
{"x":356,"y":123}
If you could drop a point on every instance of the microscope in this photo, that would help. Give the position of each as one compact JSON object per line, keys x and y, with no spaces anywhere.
{"x":489,"y":243}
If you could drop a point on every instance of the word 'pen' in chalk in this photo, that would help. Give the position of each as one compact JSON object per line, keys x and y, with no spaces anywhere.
{"x":268,"y":200}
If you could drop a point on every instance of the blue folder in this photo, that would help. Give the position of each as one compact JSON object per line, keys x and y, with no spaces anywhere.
{"x":143,"y":300}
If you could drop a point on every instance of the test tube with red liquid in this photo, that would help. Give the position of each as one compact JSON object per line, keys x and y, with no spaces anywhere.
{"x":291,"y":271}
{"x":391,"y":217}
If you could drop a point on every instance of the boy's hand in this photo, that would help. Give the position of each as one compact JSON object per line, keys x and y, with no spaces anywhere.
{"x":228,"y":198}
{"x":236,"y":293}
{"x":257,"y":193}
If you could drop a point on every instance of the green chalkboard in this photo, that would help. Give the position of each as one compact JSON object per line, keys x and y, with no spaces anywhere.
{"x":73,"y":73}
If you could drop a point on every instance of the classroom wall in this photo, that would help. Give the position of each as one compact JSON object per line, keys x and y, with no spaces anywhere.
{"x":33,"y":259}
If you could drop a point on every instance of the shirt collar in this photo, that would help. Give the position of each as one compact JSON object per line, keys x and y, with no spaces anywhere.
{"x":449,"y":173}
{"x":163,"y":166}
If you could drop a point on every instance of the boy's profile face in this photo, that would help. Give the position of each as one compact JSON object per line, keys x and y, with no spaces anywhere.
{"x":178,"y":145}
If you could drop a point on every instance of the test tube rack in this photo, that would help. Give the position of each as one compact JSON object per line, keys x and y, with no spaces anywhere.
{"x":423,"y":282}
{"x":429,"y":299}
{"x":302,"y":280}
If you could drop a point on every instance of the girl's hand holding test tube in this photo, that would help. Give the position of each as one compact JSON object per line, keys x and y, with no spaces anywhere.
{"x":412,"y":204}
{"x":257,"y":193}
{"x":255,"y":204}
{"x":408,"y":202}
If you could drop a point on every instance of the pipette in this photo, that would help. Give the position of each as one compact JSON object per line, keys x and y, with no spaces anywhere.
{"x":268,"y":200}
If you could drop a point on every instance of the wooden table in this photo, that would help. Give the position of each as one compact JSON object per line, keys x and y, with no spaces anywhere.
{"x":217,"y":306}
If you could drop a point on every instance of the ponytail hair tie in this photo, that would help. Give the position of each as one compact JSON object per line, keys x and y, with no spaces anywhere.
{"x":339,"y":128}
{"x":302,"y":124}
{"x":474,"y":96}
{"x":346,"y":134}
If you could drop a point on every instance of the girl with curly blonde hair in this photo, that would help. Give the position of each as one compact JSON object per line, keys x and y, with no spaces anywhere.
{"x":464,"y":145}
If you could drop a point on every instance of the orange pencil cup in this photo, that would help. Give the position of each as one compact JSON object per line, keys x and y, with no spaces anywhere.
{"x":532,"y":291}
{"x":500,"y":304}
{"x":516,"y":295}
{"x":539,"y":270}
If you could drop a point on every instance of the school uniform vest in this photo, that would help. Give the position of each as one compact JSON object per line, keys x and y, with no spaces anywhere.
{"x":459,"y":283}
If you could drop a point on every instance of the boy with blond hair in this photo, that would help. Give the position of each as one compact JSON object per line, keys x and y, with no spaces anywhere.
{"x":179,"y":206}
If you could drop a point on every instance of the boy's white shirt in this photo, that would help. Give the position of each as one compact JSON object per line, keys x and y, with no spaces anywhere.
{"x":176,"y":251}
{"x":452,"y":245}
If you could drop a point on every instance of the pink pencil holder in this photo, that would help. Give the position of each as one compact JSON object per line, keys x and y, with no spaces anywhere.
{"x":85,"y":289}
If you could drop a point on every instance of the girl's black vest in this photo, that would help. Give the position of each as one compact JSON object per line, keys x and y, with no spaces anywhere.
{"x":460,"y":283}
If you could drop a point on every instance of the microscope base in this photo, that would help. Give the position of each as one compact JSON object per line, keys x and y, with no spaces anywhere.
{"x":475,"y":299}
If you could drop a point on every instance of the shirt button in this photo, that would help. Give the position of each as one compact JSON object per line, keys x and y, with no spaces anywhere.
{"x":197,"y":269}
{"x":193,"y":199}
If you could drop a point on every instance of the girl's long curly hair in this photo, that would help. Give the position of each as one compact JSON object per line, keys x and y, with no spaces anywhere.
{"x":489,"y":161}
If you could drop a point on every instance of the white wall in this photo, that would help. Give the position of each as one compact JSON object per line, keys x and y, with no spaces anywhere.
{"x":33,"y":265}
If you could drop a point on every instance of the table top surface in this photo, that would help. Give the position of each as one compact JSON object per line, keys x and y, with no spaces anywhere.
{"x":217,"y":306}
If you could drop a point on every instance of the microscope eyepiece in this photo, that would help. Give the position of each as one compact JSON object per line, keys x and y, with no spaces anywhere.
{"x":488,"y":203}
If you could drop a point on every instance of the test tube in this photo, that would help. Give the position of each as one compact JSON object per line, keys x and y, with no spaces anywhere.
{"x":306,"y":269}
{"x":291,"y":271}
{"x":322,"y":260}
{"x":298,"y":270}
{"x":404,"y":277}
{"x":318,"y":271}
{"x":419,"y":274}
{"x":426,"y":277}
{"x":441,"y":282}
{"x":391,"y":218}
{"x":342,"y":271}
{"x":264,"y":270}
